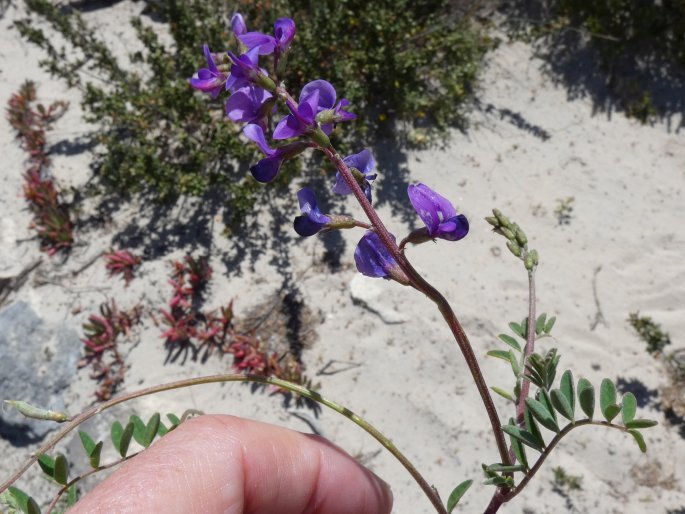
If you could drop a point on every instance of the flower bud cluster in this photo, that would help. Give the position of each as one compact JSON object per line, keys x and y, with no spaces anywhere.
{"x":517,"y":242}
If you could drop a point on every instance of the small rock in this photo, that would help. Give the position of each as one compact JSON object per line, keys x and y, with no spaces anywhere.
{"x":374,"y":296}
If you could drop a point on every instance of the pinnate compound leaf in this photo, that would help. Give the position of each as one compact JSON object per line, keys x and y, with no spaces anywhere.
{"x":561,"y":404}
{"x":522,"y":435}
{"x":567,"y":389}
{"x":639,"y":439}
{"x":607,"y":397}
{"x":87,"y":442}
{"x":138,"y":430}
{"x":517,"y":329}
{"x":47,"y":464}
{"x":61,"y":474}
{"x":628,"y":407}
{"x":641,"y":423}
{"x":503,"y":394}
{"x":151,"y":429}
{"x":540,"y":412}
{"x":510,"y":341}
{"x":549,"y":324}
{"x":126,"y":436}
{"x":94,"y":456}
{"x":586,"y":397}
{"x":540,"y":323}
{"x":457,"y":494}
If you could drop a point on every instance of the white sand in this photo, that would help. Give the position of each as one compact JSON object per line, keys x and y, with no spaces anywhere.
{"x":410,"y":381}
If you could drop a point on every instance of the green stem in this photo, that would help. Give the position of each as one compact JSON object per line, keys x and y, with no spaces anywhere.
{"x":77,"y":420}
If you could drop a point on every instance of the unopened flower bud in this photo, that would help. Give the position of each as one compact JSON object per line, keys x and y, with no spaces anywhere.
{"x":514,"y":248}
{"x":503,"y":220}
{"x":530,"y":261}
{"x":507,"y":233}
{"x":521,"y":237}
{"x":492,"y":220}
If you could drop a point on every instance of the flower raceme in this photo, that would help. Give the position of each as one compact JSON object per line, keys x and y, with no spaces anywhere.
{"x":439,"y":215}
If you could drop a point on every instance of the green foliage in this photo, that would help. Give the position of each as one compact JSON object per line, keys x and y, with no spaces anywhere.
{"x":402,"y":64}
{"x":457,"y":494}
{"x":18,"y":501}
{"x":563,"y":480}
{"x":650,"y":332}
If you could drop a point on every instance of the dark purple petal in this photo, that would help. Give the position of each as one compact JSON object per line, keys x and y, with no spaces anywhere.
{"x":210,"y":60}
{"x":284,"y":30}
{"x":267,"y":169}
{"x":326,"y":98}
{"x":305,"y":227}
{"x":372,"y":257}
{"x":432,"y":208}
{"x":308,"y":206}
{"x":341,"y":114}
{"x":288,"y":127}
{"x":238,"y":24}
{"x":256,"y":134}
{"x":453,"y":229}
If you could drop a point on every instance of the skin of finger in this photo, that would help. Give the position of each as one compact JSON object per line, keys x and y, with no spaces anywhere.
{"x":228,"y":465}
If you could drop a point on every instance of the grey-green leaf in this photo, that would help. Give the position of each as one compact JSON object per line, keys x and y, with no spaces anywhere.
{"x":540,"y":323}
{"x":151,"y":429}
{"x":138,"y":429}
{"x":499,"y":354}
{"x":94,"y":456}
{"x":126,"y":439}
{"x":611,"y":412}
{"x":72,"y":496}
{"x":517,"y":329}
{"x":457,"y":494}
{"x":543,"y":397}
{"x":641,"y":423}
{"x":532,"y":427}
{"x":61,"y":474}
{"x":87,"y":442}
{"x":47,"y":464}
{"x":502,"y":468}
{"x":561,"y":404}
{"x":522,"y":435}
{"x":549,"y":324}
{"x":628,"y":407}
{"x":567,"y":389}
{"x":116,"y":432}
{"x":540,"y":411}
{"x":510,"y":341}
{"x":518,"y":449}
{"x":586,"y":397}
{"x":639,"y":439}
{"x":607,"y":397}
{"x":32,"y":506}
{"x":503,"y":394}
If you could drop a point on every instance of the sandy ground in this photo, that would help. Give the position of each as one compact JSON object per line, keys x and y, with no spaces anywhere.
{"x":529,"y":147}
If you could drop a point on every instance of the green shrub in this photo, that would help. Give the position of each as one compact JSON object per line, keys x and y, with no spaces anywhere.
{"x":403,"y":65}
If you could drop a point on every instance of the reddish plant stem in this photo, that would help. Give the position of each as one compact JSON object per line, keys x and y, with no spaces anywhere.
{"x":420,"y":284}
{"x":529,"y":349}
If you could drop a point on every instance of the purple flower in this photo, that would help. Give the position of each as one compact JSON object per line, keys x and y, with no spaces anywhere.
{"x":244,"y":70}
{"x":267,"y":169}
{"x":437,"y":213}
{"x":209,"y":80}
{"x":284,"y":32}
{"x":374,"y":260}
{"x":249,"y":104}
{"x":238,"y":24}
{"x":364,"y":163}
{"x":311,"y":221}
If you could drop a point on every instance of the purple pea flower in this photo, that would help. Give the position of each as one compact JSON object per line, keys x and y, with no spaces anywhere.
{"x":364,"y":163}
{"x":439,"y":215}
{"x":245,"y":70}
{"x":267,"y":169}
{"x":249,"y":105}
{"x":238,"y":25}
{"x":374,"y":260}
{"x":312,"y":220}
{"x":284,"y":32}
{"x":209,"y":80}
